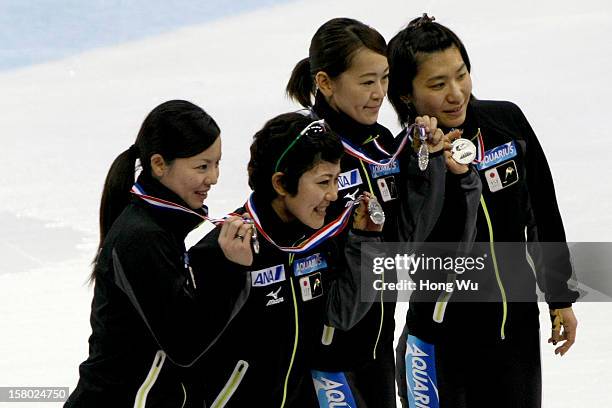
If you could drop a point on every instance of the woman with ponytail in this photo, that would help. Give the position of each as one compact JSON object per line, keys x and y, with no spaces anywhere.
{"x":347,"y":74}
{"x":146,"y":314}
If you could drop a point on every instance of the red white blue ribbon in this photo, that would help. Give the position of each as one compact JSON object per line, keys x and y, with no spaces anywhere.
{"x":480,"y":150}
{"x":169,"y":205}
{"x":355,"y":152}
{"x":330,"y":230}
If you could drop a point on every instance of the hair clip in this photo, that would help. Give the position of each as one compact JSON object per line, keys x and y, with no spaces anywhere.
{"x":425,"y":19}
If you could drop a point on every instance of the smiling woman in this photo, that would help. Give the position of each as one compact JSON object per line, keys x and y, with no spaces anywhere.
{"x":302,"y":286}
{"x":145,"y":296}
{"x":348,"y":75}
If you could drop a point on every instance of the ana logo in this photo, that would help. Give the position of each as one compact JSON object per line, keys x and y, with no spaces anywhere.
{"x":349,"y":179}
{"x":332,"y":389}
{"x":309,"y":264}
{"x":274,"y":297}
{"x":497,"y":155}
{"x":384,"y":170}
{"x":265,"y":277}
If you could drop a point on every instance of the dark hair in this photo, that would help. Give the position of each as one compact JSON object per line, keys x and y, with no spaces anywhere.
{"x":309,"y":150}
{"x":422,"y":35}
{"x":174,"y":129}
{"x":332,"y":49}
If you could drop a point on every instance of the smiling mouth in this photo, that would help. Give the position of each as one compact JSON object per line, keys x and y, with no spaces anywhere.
{"x":321,"y":210}
{"x":455,"y":111}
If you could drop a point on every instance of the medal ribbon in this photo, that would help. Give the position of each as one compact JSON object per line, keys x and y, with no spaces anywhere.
{"x":327,"y":231}
{"x":355,"y":152}
{"x":169,"y":205}
{"x":480,"y":150}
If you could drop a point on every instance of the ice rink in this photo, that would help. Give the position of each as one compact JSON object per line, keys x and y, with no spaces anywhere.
{"x":68,"y":112}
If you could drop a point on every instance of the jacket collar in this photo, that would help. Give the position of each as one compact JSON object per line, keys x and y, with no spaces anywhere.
{"x":283,"y":233}
{"x":180,"y":223}
{"x":343,"y":124}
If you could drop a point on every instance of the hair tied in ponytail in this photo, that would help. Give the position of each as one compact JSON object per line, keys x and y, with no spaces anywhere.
{"x":134,"y":152}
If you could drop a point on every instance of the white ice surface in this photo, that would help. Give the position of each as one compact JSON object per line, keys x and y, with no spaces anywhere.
{"x":63,"y":123}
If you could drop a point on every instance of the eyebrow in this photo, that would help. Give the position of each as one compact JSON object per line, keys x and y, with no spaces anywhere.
{"x":374,"y":73}
{"x":437,"y":78}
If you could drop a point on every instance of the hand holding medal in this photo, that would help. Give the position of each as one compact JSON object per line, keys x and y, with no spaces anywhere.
{"x":235,"y":240}
{"x":459,"y":153}
{"x":369,"y":215}
{"x":426,"y":139}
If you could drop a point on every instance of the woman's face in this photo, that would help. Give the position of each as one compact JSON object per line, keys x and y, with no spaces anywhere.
{"x":442,"y":87}
{"x":317,"y":188}
{"x":360,"y":90}
{"x":191,"y":178}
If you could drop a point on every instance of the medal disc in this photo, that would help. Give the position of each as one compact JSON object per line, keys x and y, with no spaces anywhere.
{"x":375,"y":210}
{"x":463,"y":151}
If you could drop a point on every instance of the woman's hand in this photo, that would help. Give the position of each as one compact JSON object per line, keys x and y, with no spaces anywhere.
{"x":563,"y":318}
{"x":451,"y":164}
{"x":435,"y":140}
{"x":235,"y":240}
{"x":361,"y":217}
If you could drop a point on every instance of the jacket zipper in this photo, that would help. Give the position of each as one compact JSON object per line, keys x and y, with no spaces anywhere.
{"x":297,"y":328}
{"x":231,"y":385}
{"x":497,"y":276}
{"x":382,"y":276}
{"x":143,"y":391}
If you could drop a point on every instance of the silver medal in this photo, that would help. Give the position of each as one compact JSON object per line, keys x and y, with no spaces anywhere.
{"x":463,"y":151}
{"x":254,"y":241}
{"x":376,"y":212}
{"x":423,"y":154}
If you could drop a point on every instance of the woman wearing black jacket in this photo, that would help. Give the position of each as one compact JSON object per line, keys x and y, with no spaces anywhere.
{"x":146,"y":312}
{"x":482,"y":354}
{"x":298,"y":279}
{"x":347,"y":73}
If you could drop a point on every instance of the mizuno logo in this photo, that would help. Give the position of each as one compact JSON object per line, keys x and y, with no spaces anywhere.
{"x":352,"y":195}
{"x":275,"y":299}
{"x":274,"y":294}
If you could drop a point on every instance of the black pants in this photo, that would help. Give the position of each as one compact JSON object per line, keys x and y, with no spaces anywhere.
{"x":506,"y":374}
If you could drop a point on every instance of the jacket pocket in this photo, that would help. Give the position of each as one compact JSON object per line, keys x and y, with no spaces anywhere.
{"x":231,"y":385}
{"x":149,"y":382}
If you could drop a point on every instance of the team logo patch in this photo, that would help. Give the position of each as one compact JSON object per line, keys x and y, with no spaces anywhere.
{"x":311,"y":286}
{"x":268,"y":276}
{"x":387,"y":188}
{"x":502,"y":176}
{"x":332,"y":389}
{"x":421,"y":377}
{"x":384,"y":170}
{"x":349,"y":179}
{"x":308,"y":265}
{"x":274,"y":298}
{"x":497,"y":155}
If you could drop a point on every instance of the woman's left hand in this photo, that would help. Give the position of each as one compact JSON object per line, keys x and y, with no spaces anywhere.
{"x":563,"y":318}
{"x":361,"y":217}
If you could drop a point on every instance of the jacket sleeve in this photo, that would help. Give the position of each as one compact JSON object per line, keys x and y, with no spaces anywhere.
{"x":421,"y":196}
{"x":175,"y":307}
{"x":545,"y":233}
{"x":352,"y":293}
